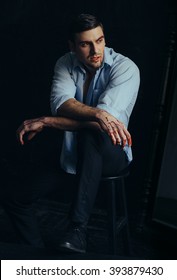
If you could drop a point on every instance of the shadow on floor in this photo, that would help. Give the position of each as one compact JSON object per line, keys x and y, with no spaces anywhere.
{"x":153,"y":242}
{"x":51,"y":216}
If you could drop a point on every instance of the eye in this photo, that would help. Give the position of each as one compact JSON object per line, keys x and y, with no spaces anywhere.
{"x":100,"y":40}
{"x":84,"y":44}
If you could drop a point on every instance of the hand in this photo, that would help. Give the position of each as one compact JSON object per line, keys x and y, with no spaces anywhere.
{"x":115,"y":129}
{"x":32,"y":127}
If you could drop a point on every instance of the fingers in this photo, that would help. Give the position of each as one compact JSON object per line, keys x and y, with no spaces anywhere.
{"x":112,"y":131}
{"x":119,"y":134}
{"x":29,"y":126}
{"x":20,"y":133}
{"x":31,"y":135}
{"x":115,"y":129}
{"x":116,"y":134}
{"x":124,"y":135}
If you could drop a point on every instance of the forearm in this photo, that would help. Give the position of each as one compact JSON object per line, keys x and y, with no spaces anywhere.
{"x":76,"y":110}
{"x":63,"y":123}
{"x":34,"y":126}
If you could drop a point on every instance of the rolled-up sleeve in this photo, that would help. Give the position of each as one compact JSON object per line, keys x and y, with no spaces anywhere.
{"x":120,"y":95}
{"x":63,"y":86}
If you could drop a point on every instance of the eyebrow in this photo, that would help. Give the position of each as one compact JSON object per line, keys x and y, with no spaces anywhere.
{"x":101,"y":37}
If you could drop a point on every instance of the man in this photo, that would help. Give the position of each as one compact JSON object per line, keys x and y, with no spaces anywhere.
{"x":93,"y":94}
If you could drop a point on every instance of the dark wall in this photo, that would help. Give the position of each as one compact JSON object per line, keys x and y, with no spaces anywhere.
{"x":33,"y":37}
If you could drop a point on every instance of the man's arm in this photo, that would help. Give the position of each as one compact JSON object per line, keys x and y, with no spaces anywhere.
{"x":34,"y":126}
{"x":108,"y":123}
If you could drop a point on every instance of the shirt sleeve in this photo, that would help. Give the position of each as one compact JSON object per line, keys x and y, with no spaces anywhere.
{"x":120,"y":95}
{"x":63,"y":86}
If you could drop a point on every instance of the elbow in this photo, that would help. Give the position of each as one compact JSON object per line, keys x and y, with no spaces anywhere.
{"x":136,"y":73}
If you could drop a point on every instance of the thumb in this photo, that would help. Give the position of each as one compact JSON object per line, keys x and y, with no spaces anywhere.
{"x":31,"y":135}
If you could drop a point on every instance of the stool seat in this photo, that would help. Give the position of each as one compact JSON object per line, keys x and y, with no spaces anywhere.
{"x":122,"y":174}
{"x":117,"y":220}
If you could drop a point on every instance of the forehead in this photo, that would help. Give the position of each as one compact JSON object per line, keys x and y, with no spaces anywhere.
{"x":89,"y":35}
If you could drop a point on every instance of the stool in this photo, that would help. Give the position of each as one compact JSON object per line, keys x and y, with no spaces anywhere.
{"x":117,"y":222}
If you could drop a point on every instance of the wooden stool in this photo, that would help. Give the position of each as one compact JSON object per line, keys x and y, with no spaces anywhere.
{"x":117,"y":222}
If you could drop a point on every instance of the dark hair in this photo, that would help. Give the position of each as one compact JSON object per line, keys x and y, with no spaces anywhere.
{"x":82,"y":22}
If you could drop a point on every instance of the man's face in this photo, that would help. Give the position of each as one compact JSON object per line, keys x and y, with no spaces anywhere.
{"x":89,"y":47}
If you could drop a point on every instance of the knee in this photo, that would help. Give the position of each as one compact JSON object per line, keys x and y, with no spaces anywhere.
{"x":92,"y":137}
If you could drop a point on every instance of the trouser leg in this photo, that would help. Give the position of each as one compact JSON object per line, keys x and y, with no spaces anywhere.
{"x":97,"y":157}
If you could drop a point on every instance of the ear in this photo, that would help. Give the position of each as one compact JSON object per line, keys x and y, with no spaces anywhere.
{"x":71,"y":46}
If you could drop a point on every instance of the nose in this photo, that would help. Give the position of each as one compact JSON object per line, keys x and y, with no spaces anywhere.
{"x":93,"y":49}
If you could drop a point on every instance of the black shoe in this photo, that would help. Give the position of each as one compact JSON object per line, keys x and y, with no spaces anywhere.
{"x":75,"y":240}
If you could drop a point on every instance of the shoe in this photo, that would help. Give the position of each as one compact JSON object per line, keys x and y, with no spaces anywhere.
{"x":75,"y":240}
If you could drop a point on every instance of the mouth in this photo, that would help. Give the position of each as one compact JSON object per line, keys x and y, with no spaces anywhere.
{"x":95,"y":58}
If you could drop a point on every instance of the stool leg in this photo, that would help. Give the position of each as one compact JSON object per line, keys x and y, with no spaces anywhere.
{"x":112,"y":217}
{"x":126,"y":236}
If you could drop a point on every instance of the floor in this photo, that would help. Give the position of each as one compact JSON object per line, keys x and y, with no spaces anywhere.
{"x":152,"y":243}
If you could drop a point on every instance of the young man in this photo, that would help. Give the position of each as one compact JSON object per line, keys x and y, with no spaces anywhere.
{"x":93,"y":94}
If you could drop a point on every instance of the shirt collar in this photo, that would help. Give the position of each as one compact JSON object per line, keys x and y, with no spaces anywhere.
{"x":108,"y":59}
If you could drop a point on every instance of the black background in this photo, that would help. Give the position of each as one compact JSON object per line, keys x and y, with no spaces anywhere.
{"x":33,"y":37}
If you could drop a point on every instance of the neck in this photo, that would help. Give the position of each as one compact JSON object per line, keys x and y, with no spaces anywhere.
{"x":90,"y":71}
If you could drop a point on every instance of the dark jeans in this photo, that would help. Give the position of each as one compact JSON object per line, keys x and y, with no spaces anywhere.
{"x":97,"y":156}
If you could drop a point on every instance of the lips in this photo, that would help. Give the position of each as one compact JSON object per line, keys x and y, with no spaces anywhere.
{"x":95,"y":58}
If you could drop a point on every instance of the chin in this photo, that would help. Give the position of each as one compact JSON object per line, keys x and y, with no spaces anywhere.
{"x":95,"y":65}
